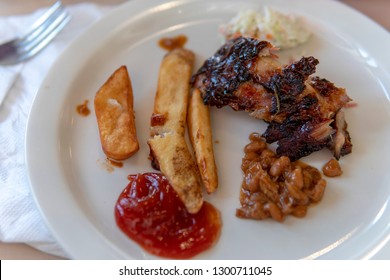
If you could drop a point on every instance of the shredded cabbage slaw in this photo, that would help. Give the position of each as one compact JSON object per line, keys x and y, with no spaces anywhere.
{"x":283,"y":31}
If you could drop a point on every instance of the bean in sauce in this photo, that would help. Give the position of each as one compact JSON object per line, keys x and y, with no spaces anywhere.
{"x":274,"y":187}
{"x":332,"y":168}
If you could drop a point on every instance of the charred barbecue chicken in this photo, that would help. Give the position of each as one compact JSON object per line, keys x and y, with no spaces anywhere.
{"x":304,"y":112}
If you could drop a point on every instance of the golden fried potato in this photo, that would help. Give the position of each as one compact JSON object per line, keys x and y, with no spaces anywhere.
{"x":199,"y":129}
{"x":115,"y":116}
{"x":171,"y":101}
{"x":176,"y":163}
{"x":168,"y":122}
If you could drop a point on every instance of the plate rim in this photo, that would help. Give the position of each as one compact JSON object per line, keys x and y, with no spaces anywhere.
{"x":112,"y":19}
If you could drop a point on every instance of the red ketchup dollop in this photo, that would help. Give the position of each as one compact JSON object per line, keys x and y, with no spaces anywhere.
{"x":149,"y":212}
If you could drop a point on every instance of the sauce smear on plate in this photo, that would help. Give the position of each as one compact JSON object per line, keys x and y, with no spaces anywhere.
{"x":171,"y":43}
{"x":83,"y":109}
{"x":150,"y":213}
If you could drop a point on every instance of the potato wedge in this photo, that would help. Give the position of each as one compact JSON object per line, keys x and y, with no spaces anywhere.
{"x":115,"y":116}
{"x":200,"y":133}
{"x":171,"y":101}
{"x":168,"y":148}
{"x":176,"y":163}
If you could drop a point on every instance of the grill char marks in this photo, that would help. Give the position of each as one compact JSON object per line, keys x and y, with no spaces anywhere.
{"x":230,"y":67}
{"x":300,"y":109}
{"x":288,"y":83}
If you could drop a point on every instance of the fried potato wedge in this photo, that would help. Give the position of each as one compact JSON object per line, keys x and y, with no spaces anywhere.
{"x":176,"y":163}
{"x":168,"y":147}
{"x":115,"y":116}
{"x":171,"y":101}
{"x":199,"y":128}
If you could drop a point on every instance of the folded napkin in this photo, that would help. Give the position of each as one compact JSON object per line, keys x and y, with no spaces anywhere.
{"x":20,"y":220}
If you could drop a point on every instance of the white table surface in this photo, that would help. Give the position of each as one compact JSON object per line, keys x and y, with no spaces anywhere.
{"x":378,"y":10}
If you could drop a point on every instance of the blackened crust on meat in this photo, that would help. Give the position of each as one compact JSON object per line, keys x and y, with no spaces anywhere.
{"x":295,"y":138}
{"x":323,"y":86}
{"x":230,"y":67}
{"x":303,"y":112}
{"x":289,"y":82}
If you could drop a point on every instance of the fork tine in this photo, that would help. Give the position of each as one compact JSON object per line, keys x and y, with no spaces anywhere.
{"x":42,"y":32}
{"x":49,"y":31}
{"x":50,"y":28}
{"x":42,"y":21}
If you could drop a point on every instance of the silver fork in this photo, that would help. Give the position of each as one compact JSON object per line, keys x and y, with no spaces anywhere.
{"x":40,"y":34}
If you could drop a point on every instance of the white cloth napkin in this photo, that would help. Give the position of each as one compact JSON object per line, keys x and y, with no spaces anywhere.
{"x":20,"y":220}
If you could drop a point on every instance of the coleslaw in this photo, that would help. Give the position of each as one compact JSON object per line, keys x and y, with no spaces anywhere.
{"x":283,"y":31}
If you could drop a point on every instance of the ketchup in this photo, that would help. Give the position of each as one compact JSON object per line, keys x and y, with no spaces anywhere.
{"x":149,"y":212}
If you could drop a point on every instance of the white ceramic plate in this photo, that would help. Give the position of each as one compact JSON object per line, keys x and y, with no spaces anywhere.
{"x":76,"y":193}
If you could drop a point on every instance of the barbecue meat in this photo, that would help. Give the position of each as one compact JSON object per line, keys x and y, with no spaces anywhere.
{"x":304,"y":112}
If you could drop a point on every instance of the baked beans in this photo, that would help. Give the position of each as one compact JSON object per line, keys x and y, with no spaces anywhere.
{"x":332,"y":168}
{"x":274,"y":187}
